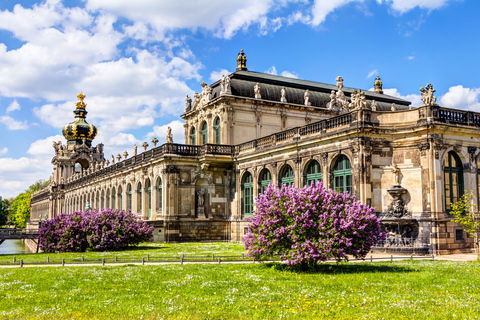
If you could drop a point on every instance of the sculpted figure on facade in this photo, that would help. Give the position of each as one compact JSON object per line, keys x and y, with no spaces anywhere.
{"x":169,"y":138}
{"x":394,"y":107}
{"x":188,"y":103}
{"x":196,"y":101}
{"x":206,"y":95}
{"x":339,"y":80}
{"x":283,"y":94}
{"x":307,"y":98}
{"x":396,"y":174}
{"x":374,"y":105}
{"x":426,"y":94}
{"x":225,"y":85}
{"x":256,"y":90}
{"x":134,"y":150}
{"x":332,"y":105}
{"x":201,"y":197}
{"x":113,"y":159}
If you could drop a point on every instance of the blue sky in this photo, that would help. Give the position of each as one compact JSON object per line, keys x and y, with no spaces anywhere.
{"x":136,"y":61}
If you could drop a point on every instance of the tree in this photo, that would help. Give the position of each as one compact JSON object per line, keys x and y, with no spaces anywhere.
{"x":464,"y":212}
{"x":4,"y":205}
{"x":311,"y":224}
{"x":20,"y":210}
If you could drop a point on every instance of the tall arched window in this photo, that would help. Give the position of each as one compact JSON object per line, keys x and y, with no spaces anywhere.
{"x":120,"y":198}
{"x":148,"y":187}
{"x":129,"y":197}
{"x":342,"y":175}
{"x":204,"y":133}
{"x":97,"y":200}
{"x":313,"y":173}
{"x":247,"y":195}
{"x":193,"y":136}
{"x":264,"y":181}
{"x":286,"y":176}
{"x":139,"y":198}
{"x":159,"y":194}
{"x":453,"y":170}
{"x":107,"y":204}
{"x":114,"y":199}
{"x":217,"y":130}
{"x":102,"y":200}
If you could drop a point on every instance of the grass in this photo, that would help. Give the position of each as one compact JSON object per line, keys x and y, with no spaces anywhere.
{"x":152,"y":249}
{"x":421,"y":289}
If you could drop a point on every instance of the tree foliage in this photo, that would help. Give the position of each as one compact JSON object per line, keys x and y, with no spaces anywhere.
{"x":82,"y":231}
{"x":3,"y":211}
{"x":466,"y":217}
{"x":311,"y":224}
{"x":20,"y":210}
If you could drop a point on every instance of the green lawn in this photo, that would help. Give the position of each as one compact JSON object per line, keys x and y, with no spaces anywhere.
{"x":420,"y":289}
{"x":144,"y":249}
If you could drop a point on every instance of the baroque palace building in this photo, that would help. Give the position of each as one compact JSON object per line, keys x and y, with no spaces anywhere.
{"x":250,"y":129}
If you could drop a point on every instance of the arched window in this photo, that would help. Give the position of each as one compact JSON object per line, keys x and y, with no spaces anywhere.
{"x":247,"y":195}
{"x":97,"y":200}
{"x":204,"y":133}
{"x":264,"y":181}
{"x":120,"y":198}
{"x":114,"y":199}
{"x":217,"y":130}
{"x":159,"y":195}
{"x":453,"y":170}
{"x":148,"y":187}
{"x":313,"y":173}
{"x":193,"y":136}
{"x":102,"y":205}
{"x":108,"y":199}
{"x":342,"y":175}
{"x":129,"y":197}
{"x":139,"y":198}
{"x":286,"y":176}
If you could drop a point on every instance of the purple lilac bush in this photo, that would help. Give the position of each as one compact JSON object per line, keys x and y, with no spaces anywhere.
{"x":311,"y":224}
{"x":108,"y":229}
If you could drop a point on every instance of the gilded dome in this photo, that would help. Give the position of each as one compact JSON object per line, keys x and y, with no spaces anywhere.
{"x":75,"y":132}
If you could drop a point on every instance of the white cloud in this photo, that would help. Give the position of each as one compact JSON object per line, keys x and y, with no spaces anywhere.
{"x":459,"y":97}
{"x":13,"y":106}
{"x":12,"y":124}
{"x":372,"y":73}
{"x":44,"y":147}
{"x":160,"y":132}
{"x":322,"y":8}
{"x":413,"y":98}
{"x":289,"y":74}
{"x":224,"y":18}
{"x":4,"y":151}
{"x":271,"y":70}
{"x":217,"y":75}
{"x":411,"y":57}
{"x":403,"y":6}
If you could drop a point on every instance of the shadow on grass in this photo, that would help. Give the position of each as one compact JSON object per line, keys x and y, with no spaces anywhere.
{"x":342,"y":268}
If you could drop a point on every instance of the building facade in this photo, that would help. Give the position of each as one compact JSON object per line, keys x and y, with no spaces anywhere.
{"x":250,"y":129}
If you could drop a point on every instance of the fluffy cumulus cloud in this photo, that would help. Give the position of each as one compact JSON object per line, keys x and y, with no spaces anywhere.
{"x":403,"y":6}
{"x":290,"y":74}
{"x":3,"y":151}
{"x":217,"y":75}
{"x":13,"y":106}
{"x":16,"y":174}
{"x":178,"y":132}
{"x":413,"y":98}
{"x":13,"y":124}
{"x":459,"y":97}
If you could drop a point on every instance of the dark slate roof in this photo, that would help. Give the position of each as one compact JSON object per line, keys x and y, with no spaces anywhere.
{"x":242,"y":83}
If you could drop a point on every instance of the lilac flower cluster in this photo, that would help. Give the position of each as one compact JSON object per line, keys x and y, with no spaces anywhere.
{"x":108,"y":229}
{"x":311,"y":224}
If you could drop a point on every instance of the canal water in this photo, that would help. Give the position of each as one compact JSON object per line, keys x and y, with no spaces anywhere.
{"x":13,"y":247}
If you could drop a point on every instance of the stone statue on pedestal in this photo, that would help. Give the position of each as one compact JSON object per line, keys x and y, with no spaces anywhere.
{"x":169,"y":138}
{"x":256,"y":89}
{"x":307,"y":98}
{"x":283,"y":93}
